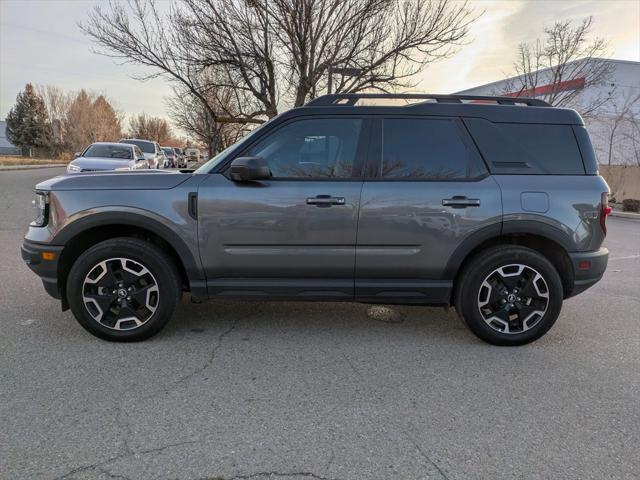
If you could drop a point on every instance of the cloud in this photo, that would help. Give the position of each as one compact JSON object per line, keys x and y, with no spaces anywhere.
{"x":40,"y":42}
{"x":505,"y":24}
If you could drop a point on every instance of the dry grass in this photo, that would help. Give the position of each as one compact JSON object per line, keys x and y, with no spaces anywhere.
{"x":18,"y":161}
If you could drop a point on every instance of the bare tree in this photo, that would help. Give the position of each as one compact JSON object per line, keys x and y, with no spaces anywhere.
{"x":57,"y":102}
{"x":618,"y":129}
{"x":558,"y":67}
{"x":189,"y":115}
{"x":151,"y":128}
{"x":632,"y":137}
{"x":90,"y":118}
{"x":274,"y":53}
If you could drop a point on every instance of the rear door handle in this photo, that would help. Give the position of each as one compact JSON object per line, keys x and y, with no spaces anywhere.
{"x":325,"y":200}
{"x":460,"y":201}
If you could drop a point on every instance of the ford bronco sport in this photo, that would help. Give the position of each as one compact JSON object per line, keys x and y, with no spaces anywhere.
{"x":493,"y":205}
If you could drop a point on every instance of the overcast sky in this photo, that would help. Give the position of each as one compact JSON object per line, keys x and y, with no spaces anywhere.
{"x":40,"y":43}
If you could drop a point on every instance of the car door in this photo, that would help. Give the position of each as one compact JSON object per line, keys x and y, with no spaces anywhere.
{"x":141,"y":161}
{"x":293,"y":235}
{"x":426,"y":192}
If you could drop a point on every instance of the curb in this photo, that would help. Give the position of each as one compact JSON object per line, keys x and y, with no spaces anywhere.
{"x":634,"y":216}
{"x":31,"y":167}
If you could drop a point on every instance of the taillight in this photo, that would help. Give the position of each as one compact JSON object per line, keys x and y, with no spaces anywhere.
{"x":605,"y":211}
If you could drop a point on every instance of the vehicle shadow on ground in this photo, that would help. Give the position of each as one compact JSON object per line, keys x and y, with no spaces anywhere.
{"x":319,"y":318}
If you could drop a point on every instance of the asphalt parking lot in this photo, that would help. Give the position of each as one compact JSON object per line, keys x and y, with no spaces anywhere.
{"x":322,"y":391}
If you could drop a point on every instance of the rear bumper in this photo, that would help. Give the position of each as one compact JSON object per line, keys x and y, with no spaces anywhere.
{"x":588,"y":268}
{"x":47,"y":270}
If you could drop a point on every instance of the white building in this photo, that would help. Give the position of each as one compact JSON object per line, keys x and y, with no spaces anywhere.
{"x":6,"y":147}
{"x":622,"y":87}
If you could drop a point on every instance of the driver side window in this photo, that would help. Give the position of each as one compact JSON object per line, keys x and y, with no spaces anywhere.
{"x":313,"y":148}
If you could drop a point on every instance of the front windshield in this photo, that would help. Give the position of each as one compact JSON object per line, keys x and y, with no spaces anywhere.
{"x":117,"y":152}
{"x":168,"y":151}
{"x":146,"y":147}
{"x":211,"y":164}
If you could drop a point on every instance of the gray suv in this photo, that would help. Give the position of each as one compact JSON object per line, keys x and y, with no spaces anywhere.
{"x":492,"y":205}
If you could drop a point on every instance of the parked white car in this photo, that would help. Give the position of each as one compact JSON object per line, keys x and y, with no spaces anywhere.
{"x":151,"y":150}
{"x":102,"y":156}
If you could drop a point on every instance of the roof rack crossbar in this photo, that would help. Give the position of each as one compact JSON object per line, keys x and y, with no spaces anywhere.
{"x":350,"y":99}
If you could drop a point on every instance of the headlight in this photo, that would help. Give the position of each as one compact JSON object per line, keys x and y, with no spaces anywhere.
{"x":41,"y":204}
{"x":71,"y":168}
{"x":122,"y":168}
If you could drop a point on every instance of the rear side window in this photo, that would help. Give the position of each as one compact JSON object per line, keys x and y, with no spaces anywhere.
{"x":527,"y":148}
{"x":427,"y":149}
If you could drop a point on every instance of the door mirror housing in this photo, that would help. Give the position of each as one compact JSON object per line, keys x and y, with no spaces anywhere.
{"x":247,"y":169}
{"x":77,"y":154}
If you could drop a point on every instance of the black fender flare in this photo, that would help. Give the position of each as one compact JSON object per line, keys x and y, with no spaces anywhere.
{"x":144,"y":220}
{"x":497,"y":230}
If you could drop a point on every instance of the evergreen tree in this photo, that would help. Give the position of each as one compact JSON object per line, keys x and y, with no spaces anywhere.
{"x":28,"y":122}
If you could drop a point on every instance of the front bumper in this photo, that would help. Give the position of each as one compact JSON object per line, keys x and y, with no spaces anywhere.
{"x":588,"y":268}
{"x":47,"y":270}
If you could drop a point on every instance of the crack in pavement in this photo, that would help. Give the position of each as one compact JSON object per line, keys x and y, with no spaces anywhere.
{"x":120,"y":412}
{"x":398,"y":425}
{"x":214,"y":350}
{"x":276,"y":474}
{"x":99,"y":465}
{"x":113,"y":475}
{"x":424,"y":455}
{"x":208,"y":363}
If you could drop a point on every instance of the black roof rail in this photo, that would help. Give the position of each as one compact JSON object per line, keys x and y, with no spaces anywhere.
{"x":351,"y":99}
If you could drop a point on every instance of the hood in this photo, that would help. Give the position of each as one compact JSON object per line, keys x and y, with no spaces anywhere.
{"x":149,"y":156}
{"x":100,"y":163}
{"x":110,"y":180}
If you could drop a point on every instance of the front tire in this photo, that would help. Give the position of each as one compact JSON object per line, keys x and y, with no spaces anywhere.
{"x":124,"y":289}
{"x":509,"y":295}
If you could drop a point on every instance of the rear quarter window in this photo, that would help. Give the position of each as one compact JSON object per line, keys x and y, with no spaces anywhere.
{"x":527,"y":148}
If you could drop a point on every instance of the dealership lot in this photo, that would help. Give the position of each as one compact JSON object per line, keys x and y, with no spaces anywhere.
{"x":328,"y":391}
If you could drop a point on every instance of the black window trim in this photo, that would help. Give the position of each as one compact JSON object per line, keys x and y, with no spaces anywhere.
{"x":358,"y":163}
{"x":378,"y":129}
{"x":488,"y":163}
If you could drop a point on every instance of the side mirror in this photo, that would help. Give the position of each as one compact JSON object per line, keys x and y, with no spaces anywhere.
{"x":77,"y":154}
{"x":246,"y":169}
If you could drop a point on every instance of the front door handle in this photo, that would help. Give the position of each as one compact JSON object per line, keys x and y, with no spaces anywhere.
{"x":460,"y":201}
{"x":325,"y":200}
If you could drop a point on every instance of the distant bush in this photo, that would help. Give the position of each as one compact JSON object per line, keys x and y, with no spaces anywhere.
{"x":631,"y":205}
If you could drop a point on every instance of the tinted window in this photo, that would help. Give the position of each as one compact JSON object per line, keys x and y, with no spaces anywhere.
{"x":427,"y":149}
{"x":168,"y":151}
{"x":314,"y":148}
{"x":525,"y":148}
{"x":138,"y":152}
{"x":147,"y":147}
{"x":109,"y":151}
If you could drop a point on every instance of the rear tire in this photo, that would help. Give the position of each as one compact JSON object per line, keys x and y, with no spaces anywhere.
{"x":509,"y":295}
{"x":123,"y":289}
